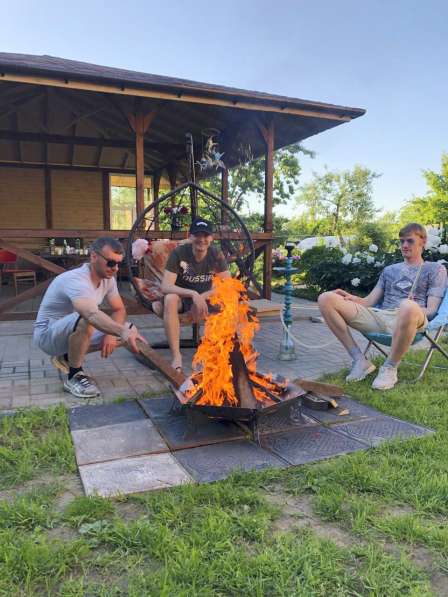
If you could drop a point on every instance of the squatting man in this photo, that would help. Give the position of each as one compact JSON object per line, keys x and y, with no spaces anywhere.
{"x":70,"y":324}
{"x":409,"y":295}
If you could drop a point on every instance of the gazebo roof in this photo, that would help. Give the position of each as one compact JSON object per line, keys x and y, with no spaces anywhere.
{"x":101,"y":98}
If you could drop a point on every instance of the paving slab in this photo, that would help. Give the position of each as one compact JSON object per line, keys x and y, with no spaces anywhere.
{"x":285,"y":418}
{"x":309,"y":444}
{"x":356,"y":410}
{"x":132,"y":475}
{"x":218,"y":461}
{"x":181,"y":432}
{"x":112,"y":442}
{"x":88,"y":417}
{"x":374,"y":432}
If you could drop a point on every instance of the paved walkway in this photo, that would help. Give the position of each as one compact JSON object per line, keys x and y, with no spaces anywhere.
{"x":27,"y":377}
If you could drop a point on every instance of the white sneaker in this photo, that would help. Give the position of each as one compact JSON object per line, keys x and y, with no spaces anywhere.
{"x":360,"y":370}
{"x":386,"y":379}
{"x":81,"y":386}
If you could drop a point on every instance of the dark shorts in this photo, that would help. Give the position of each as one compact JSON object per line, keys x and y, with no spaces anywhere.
{"x":187,"y":303}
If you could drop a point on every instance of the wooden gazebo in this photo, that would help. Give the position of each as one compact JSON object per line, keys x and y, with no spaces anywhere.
{"x":66,"y":127}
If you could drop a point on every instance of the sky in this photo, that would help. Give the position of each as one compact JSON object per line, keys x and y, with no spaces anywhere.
{"x":389,"y":57}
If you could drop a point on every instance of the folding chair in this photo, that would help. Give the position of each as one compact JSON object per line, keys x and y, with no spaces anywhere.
{"x":436,"y":325}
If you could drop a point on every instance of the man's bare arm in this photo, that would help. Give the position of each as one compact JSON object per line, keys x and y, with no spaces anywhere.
{"x":118,"y":309}
{"x":223,"y":275}
{"x":432,"y":305}
{"x":370,"y":300}
{"x":168,"y":286}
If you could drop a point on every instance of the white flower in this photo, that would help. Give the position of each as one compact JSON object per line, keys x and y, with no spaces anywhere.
{"x":379,"y":263}
{"x":443,"y":249}
{"x":370,"y":258}
{"x":373,"y":248}
{"x":139,"y":248}
{"x":346,"y":259}
{"x":432,"y":241}
{"x":356,"y":282}
{"x":356,"y":260}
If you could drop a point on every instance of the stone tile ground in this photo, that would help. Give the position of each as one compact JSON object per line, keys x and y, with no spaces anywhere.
{"x":27,"y":377}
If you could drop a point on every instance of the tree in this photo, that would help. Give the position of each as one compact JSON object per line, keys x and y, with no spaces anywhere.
{"x":341,"y":201}
{"x":248,"y":178}
{"x":432,"y":208}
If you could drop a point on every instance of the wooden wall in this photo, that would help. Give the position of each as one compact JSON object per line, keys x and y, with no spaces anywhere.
{"x":76,"y":199}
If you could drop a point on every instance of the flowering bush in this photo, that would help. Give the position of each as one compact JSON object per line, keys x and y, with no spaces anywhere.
{"x":325,"y":268}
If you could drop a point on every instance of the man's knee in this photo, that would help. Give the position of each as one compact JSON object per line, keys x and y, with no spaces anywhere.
{"x":409,"y":311}
{"x":327,"y":299}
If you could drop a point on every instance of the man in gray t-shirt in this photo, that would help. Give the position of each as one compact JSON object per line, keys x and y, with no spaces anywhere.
{"x":405,"y":297}
{"x":69,"y":322}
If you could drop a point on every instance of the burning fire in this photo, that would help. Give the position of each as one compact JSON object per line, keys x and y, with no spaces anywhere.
{"x":230,"y":329}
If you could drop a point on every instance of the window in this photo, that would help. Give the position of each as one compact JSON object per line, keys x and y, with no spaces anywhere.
{"x":123,"y":211}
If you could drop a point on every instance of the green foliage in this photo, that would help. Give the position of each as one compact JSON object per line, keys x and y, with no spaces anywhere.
{"x":340,"y":201}
{"x":248,"y":177}
{"x":432,"y":208}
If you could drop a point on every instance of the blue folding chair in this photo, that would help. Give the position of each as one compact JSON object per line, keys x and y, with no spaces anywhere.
{"x":437,"y":325}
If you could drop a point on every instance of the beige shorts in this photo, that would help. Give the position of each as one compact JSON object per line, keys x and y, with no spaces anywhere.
{"x":373,"y":320}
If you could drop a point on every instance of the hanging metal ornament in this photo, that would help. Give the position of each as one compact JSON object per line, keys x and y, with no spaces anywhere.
{"x":211,"y":156}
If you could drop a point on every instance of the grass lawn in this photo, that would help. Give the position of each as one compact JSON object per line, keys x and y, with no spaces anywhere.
{"x":370,"y":523}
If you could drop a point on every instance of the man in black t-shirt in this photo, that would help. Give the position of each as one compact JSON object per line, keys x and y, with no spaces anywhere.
{"x":187,"y":281}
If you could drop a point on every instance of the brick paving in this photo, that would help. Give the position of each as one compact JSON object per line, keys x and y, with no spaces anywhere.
{"x":27,"y":377}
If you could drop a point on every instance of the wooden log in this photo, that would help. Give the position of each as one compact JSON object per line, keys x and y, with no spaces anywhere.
{"x":319,"y":387}
{"x":152,"y":358}
{"x":240,"y":379}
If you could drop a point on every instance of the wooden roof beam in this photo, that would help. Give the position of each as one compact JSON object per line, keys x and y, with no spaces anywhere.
{"x":178,"y":97}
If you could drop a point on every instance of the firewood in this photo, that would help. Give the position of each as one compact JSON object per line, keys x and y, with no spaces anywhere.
{"x":317,"y":386}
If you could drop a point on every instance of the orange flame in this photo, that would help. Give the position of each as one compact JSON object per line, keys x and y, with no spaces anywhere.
{"x":213,"y":376}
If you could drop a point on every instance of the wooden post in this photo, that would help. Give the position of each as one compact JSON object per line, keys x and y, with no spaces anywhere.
{"x":266,"y":129}
{"x":156,"y":186}
{"x":48,"y":201}
{"x":140,"y":124}
{"x":106,"y":201}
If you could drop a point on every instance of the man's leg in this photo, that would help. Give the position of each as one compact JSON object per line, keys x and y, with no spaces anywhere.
{"x":171,"y":307}
{"x":337,"y":313}
{"x":410,"y":317}
{"x":79,"y":344}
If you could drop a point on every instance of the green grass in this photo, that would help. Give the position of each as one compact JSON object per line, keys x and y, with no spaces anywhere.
{"x":222,"y":538}
{"x":34,"y":442}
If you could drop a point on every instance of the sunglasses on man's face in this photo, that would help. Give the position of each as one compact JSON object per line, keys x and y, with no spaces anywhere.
{"x":109,"y":262}
{"x":409,"y":241}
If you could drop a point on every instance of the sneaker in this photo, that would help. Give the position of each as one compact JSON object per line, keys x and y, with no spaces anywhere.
{"x":386,"y":379}
{"x":61,"y":363}
{"x":81,"y":386}
{"x":360,"y":370}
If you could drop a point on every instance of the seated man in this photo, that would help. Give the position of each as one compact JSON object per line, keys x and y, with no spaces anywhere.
{"x":187,"y":282}
{"x":69,"y":323}
{"x":410,"y":294}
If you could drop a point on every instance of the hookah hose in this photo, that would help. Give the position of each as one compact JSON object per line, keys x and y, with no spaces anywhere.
{"x":299,"y":342}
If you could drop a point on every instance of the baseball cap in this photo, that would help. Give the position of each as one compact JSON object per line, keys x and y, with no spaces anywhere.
{"x":201,"y":225}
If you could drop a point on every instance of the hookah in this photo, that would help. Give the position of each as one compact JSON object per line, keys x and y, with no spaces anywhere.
{"x":287,"y":350}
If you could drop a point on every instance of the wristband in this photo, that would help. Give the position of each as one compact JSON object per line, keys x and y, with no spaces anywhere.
{"x":125,"y":333}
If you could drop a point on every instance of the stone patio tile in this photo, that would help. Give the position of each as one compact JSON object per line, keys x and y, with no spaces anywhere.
{"x":218,"y":461}
{"x":132,"y":475}
{"x":309,"y":444}
{"x":375,"y":431}
{"x":20,"y":401}
{"x":181,"y":431}
{"x":112,"y":442}
{"x":89,"y":417}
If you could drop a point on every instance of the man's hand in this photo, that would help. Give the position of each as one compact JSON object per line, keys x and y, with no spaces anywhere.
{"x":347,"y":296}
{"x":110,"y":343}
{"x":199,"y":310}
{"x":130,"y":337}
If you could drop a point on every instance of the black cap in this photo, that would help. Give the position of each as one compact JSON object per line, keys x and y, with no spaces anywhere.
{"x":201,"y":225}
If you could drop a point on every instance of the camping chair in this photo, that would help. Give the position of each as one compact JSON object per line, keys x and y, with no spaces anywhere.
{"x":436,"y":325}
{"x":8,"y":261}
